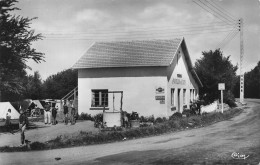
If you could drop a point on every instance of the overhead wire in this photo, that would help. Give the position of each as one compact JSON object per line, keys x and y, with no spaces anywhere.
{"x":165,"y":35}
{"x":231,"y":37}
{"x":229,"y":40}
{"x":224,"y":10}
{"x":209,"y":11}
{"x":217,"y":11}
{"x":227,"y":36}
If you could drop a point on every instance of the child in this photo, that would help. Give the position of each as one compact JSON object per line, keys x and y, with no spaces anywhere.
{"x":8,"y":119}
{"x":54,"y":113}
{"x":23,"y":122}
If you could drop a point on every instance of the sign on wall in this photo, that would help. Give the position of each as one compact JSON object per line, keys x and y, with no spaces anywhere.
{"x":159,"y":94}
{"x":178,"y":81}
{"x":159,"y":97}
{"x":159,"y":90}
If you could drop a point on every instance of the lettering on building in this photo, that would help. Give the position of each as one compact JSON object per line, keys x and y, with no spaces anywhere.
{"x":178,"y":81}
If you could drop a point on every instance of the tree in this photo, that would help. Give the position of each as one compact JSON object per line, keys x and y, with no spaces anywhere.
{"x":60,"y":84}
{"x":33,"y":85}
{"x":251,"y":84}
{"x":15,"y":49}
{"x":214,"y":68}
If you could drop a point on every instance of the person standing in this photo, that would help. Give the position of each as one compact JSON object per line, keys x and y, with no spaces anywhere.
{"x":70,"y":106}
{"x":23,"y":122}
{"x":47,"y":114}
{"x":65,"y":111}
{"x":73,"y":115}
{"x":8,"y":120}
{"x":54,"y":113}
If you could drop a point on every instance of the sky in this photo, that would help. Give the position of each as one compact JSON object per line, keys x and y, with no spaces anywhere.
{"x":70,"y":27}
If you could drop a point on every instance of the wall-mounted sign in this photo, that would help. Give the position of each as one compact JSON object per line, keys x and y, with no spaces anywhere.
{"x":159,"y":90}
{"x":159,"y":97}
{"x":178,"y":81}
{"x":179,"y":75}
{"x":162,"y":101}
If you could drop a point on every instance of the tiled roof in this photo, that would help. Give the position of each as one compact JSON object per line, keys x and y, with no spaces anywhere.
{"x":129,"y":54}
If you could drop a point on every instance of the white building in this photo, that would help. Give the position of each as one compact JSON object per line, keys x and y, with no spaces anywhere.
{"x":155,"y":76}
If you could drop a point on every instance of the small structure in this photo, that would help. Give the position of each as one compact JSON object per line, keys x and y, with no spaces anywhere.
{"x":38,"y":103}
{"x":4,"y":106}
{"x":156,"y":77}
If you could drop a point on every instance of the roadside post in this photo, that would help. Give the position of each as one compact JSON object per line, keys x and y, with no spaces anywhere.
{"x":221,"y":87}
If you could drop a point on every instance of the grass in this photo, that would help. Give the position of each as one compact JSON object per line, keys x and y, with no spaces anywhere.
{"x":87,"y":138}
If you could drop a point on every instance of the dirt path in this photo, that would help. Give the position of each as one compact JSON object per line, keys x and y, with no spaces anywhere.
{"x":208,"y":145}
{"x":47,"y":132}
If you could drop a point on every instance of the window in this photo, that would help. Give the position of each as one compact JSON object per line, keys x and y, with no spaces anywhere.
{"x":191,"y":95}
{"x":99,"y":98}
{"x":184,"y":96}
{"x":172,"y":97}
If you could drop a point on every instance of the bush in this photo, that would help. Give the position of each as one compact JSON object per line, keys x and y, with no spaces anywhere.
{"x":175,"y":116}
{"x":187,"y":112}
{"x":229,"y":99}
{"x":160,"y":120}
{"x":85,"y":116}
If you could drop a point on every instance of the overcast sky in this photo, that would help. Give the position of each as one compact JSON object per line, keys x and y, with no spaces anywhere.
{"x":70,"y":26}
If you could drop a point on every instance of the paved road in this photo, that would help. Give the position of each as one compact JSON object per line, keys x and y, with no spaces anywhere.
{"x":208,"y":145}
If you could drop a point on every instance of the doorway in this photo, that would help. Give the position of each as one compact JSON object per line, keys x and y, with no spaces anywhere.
{"x":179,"y":99}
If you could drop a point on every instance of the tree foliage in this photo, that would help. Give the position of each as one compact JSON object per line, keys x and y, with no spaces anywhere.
{"x":15,"y":49}
{"x":214,"y":68}
{"x":33,"y":86}
{"x":60,"y":84}
{"x":251,"y":84}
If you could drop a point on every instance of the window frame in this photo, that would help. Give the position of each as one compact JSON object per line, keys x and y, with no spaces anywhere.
{"x":99,"y":97}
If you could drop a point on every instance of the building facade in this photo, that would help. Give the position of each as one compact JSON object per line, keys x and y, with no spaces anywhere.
{"x":153,"y":77}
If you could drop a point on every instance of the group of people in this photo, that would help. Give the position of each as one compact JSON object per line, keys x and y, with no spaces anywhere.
{"x":50,"y":112}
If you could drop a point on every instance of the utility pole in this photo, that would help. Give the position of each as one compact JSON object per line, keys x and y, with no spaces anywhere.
{"x":241,"y":60}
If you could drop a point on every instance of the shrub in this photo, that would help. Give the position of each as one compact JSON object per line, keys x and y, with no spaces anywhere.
{"x":229,"y":99}
{"x":37,"y":146}
{"x":187,"y":112}
{"x":85,"y":116}
{"x":160,"y":120}
{"x":175,"y":116}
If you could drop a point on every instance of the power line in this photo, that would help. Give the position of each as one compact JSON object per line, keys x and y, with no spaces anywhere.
{"x":227,"y":36}
{"x":228,"y":39}
{"x":220,"y":12}
{"x":223,"y":10}
{"x":216,"y":12}
{"x":166,"y":35}
{"x":199,"y":4}
{"x":149,"y":29}
{"x":141,"y":32}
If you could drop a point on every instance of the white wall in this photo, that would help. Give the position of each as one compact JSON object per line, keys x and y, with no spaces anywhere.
{"x":179,"y":66}
{"x":210,"y":108}
{"x":138,"y":94}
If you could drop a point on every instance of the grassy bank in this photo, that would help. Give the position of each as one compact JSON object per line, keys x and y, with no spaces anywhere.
{"x":86,"y":138}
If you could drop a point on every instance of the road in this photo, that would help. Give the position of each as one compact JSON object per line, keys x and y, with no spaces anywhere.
{"x":213,"y":144}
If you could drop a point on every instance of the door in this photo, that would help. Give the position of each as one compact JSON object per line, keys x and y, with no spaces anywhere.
{"x":179,"y":99}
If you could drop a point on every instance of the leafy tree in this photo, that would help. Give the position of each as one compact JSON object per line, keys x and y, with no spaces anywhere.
{"x":214,"y":68}
{"x":251,"y":84}
{"x":33,"y":86}
{"x":15,"y":49}
{"x":60,"y":84}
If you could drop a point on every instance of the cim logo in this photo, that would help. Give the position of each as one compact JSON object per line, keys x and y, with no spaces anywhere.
{"x":159,"y":90}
